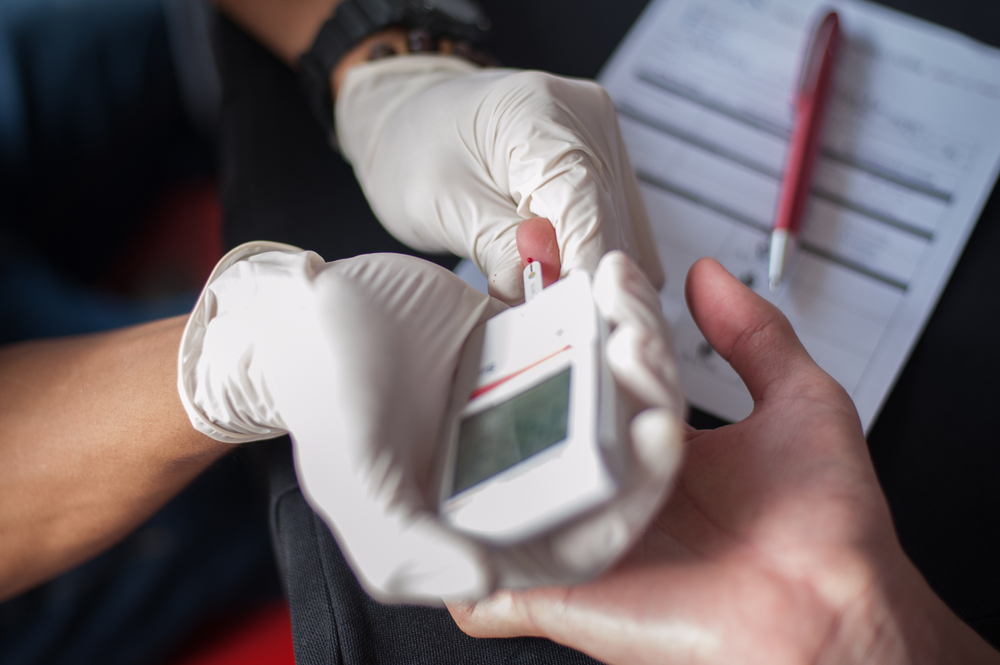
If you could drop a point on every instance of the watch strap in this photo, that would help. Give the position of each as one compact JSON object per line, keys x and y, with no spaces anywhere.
{"x":352,"y":21}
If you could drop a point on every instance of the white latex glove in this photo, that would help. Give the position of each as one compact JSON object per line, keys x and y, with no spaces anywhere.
{"x":453,"y":157}
{"x":355,"y":359}
{"x":640,"y":355}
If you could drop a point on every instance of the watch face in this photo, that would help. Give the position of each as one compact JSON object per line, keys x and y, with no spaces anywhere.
{"x":463,"y":11}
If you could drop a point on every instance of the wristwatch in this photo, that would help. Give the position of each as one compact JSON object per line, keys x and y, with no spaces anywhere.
{"x":354,"y":20}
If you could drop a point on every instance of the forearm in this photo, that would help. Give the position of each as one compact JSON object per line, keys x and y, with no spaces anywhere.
{"x":286,"y":27}
{"x":95,"y":440}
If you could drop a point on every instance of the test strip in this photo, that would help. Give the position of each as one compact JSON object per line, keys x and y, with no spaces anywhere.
{"x":532,"y":280}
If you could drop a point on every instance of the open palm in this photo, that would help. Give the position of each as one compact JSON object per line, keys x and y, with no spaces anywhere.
{"x":776,"y":546}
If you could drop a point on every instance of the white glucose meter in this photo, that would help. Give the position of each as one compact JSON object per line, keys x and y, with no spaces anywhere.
{"x":534,"y":438}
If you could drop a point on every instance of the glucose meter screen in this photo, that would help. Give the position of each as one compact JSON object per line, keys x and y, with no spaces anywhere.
{"x":510,"y":432}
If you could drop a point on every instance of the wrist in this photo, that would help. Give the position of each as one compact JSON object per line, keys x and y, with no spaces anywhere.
{"x":389,"y":41}
{"x":212,"y":369}
{"x":928,"y":630}
{"x":400,"y":41}
{"x":900,"y":620}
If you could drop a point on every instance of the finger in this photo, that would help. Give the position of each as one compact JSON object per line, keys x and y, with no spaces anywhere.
{"x":658,"y":441}
{"x":643,"y":365}
{"x":639,"y":350}
{"x":624,"y":295}
{"x":507,"y":252}
{"x":536,"y":242}
{"x":574,"y":170}
{"x":428,"y":563}
{"x":503,"y":614}
{"x":398,"y":554}
{"x":496,"y":255}
{"x":590,"y":547}
{"x":747,"y":331}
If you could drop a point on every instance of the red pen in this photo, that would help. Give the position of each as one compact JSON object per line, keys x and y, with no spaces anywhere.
{"x":814,"y":91}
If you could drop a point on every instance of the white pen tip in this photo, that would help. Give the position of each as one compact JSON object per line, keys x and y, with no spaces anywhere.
{"x":780,"y":241}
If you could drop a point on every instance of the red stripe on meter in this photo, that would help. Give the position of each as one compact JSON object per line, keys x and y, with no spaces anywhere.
{"x":482,"y":390}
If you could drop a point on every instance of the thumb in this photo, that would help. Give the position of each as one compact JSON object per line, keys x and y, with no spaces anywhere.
{"x":399,"y":553}
{"x":437,"y":564}
{"x":498,"y":260}
{"x":748,"y":332}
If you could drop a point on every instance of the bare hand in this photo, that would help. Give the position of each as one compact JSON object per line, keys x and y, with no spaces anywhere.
{"x":777,"y":545}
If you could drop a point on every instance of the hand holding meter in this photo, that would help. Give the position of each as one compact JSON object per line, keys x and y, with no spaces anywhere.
{"x":507,"y":145}
{"x":541,"y":462}
{"x":537,"y":441}
{"x":365,"y":402}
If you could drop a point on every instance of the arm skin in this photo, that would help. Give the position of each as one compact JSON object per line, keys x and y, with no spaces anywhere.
{"x":286,"y":27}
{"x":93,"y":436}
{"x":777,"y":545}
{"x":94,"y":440}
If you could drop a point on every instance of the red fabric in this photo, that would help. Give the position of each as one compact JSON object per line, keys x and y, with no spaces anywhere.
{"x":265,"y":638}
{"x":179,"y":243}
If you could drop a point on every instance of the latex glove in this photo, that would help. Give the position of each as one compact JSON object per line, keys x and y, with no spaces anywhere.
{"x":453,"y":157}
{"x":355,"y":359}
{"x":639,"y":353}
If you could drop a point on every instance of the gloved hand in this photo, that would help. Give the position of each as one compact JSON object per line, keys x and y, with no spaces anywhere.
{"x":355,"y":359}
{"x":639,"y":353}
{"x":453,"y":157}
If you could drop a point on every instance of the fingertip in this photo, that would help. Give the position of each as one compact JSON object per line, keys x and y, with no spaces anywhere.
{"x":723,"y":307}
{"x":746,"y":330}
{"x":623,"y":293}
{"x":497,"y":615}
{"x":705,"y":276}
{"x":505,"y":282}
{"x":657,"y":440}
{"x":537,"y":242}
{"x":429,"y":564}
{"x":643,"y":365}
{"x":459,"y":570}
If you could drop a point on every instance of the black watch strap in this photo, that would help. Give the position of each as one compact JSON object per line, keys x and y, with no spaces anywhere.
{"x":353,"y":21}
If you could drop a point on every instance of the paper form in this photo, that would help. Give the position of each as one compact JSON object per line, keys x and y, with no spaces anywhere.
{"x":911,"y":149}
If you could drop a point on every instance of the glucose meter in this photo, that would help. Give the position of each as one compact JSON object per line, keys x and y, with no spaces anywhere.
{"x":533,"y":439}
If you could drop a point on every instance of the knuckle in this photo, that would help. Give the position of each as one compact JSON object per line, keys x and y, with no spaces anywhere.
{"x":545,"y":86}
{"x":534,"y":81}
{"x":761,"y":337}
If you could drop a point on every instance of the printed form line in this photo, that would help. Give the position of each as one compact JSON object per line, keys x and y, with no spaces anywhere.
{"x":764,"y":227}
{"x":775,"y":129}
{"x":721,"y":151}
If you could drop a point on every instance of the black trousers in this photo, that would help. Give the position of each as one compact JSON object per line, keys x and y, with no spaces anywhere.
{"x":935,"y":446}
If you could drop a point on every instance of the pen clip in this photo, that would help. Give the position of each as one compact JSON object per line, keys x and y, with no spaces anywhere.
{"x":821,"y":46}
